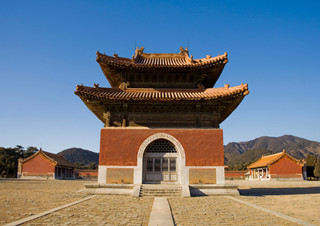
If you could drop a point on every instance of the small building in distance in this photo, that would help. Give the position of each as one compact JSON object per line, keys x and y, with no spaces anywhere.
{"x":277,"y":166}
{"x":45,"y":165}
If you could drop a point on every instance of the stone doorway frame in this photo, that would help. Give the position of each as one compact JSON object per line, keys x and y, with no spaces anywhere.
{"x":181,"y":158}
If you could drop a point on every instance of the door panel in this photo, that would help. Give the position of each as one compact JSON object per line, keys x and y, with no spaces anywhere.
{"x":161,"y":169}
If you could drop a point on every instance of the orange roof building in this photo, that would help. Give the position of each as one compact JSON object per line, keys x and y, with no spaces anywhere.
{"x":45,"y":165}
{"x":277,"y":166}
{"x":161,"y":117}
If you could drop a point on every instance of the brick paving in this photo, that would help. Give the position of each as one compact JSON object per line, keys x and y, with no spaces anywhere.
{"x":218,"y":210}
{"x":20,"y":199}
{"x":102,"y":210}
{"x":24,"y":198}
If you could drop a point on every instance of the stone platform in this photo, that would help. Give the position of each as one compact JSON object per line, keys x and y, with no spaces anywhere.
{"x":162,"y":189}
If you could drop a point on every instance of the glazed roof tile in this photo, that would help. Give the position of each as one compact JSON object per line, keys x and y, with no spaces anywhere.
{"x":161,"y":95}
{"x":162,"y":60}
{"x":270,"y":159}
{"x":58,"y":159}
{"x":61,"y":161}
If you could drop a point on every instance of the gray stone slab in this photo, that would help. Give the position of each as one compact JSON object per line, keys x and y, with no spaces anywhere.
{"x":161,"y":213}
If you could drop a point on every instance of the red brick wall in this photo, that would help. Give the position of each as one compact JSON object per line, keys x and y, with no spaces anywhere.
{"x":38,"y":165}
{"x":203,"y":147}
{"x":88,"y":173}
{"x":234,"y":174}
{"x":285,"y":167}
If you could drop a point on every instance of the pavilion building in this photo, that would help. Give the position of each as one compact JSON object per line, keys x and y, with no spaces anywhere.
{"x":161,"y":118}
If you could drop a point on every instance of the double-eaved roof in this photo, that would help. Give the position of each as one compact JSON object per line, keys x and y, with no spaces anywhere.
{"x":157,"y":83}
{"x":268,"y":160}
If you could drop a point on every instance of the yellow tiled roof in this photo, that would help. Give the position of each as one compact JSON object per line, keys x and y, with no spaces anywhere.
{"x":162,"y":95}
{"x":270,"y":159}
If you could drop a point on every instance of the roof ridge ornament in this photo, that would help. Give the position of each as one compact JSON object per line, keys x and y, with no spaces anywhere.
{"x":226,"y":86}
{"x":139,"y":51}
{"x":184,"y":52}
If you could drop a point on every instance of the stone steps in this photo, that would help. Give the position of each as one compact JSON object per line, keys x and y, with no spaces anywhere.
{"x":160,"y":191}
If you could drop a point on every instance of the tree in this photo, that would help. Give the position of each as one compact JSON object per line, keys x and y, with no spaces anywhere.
{"x":92,"y":166}
{"x":311,"y":162}
{"x":316,"y":170}
{"x":9,"y":159}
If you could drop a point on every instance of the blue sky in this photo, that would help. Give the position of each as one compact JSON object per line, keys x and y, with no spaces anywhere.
{"x":48,"y":47}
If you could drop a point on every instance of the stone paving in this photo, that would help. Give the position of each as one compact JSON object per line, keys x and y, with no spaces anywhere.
{"x":24,"y":198}
{"x":218,"y":210}
{"x":20,"y":199}
{"x":102,"y":210}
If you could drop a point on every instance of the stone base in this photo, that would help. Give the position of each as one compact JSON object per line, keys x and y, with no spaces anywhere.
{"x":109,"y":189}
{"x":187,"y":191}
{"x":213,"y":189}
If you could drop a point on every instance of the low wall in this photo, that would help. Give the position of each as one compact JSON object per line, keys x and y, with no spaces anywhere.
{"x":235,"y":174}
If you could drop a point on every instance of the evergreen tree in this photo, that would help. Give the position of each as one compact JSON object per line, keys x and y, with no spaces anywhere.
{"x":311,"y":162}
{"x":316,"y":170}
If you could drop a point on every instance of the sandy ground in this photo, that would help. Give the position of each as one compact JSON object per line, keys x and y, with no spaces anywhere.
{"x":22,"y":198}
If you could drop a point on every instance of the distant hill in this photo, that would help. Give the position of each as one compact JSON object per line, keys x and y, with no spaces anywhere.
{"x":243,"y":153}
{"x":80,"y":155}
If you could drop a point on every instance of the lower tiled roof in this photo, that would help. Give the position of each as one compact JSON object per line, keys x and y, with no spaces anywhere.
{"x":57,"y":159}
{"x":269,"y":160}
{"x":160,"y":95}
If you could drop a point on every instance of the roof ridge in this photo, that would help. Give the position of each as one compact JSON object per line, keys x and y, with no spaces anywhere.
{"x":272,"y":154}
{"x":243,"y":86}
{"x":182,"y":59}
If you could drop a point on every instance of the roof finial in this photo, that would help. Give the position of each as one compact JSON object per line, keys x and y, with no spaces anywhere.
{"x":139,"y":51}
{"x":115,"y":55}
{"x":184,"y":51}
{"x":96,"y":85}
{"x":226,"y":86}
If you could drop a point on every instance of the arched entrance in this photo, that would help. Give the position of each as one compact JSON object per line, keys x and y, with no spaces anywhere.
{"x":160,"y":163}
{"x":168,"y":145}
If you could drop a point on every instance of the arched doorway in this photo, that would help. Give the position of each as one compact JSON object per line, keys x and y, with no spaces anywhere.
{"x":181,"y":171}
{"x":160,"y":162}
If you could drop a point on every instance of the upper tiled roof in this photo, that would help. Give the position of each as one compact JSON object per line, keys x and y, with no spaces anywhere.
{"x":58,"y":159}
{"x":162,"y":60}
{"x":161,"y":95}
{"x":269,"y":160}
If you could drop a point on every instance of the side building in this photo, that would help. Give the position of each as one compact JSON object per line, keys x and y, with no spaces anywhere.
{"x":277,"y":166}
{"x":45,"y":165}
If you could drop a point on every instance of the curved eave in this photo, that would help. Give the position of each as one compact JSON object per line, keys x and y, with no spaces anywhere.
{"x":96,"y":98}
{"x":112,"y":67}
{"x":125,"y":63}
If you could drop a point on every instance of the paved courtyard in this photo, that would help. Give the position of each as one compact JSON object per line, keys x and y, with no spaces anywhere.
{"x":22,"y":198}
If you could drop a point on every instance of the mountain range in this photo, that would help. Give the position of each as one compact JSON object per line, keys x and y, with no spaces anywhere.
{"x":237,"y":155}
{"x":79,"y":155}
{"x":240,"y":155}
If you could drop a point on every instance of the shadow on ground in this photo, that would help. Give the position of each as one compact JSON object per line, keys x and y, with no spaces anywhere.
{"x":279,"y":191}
